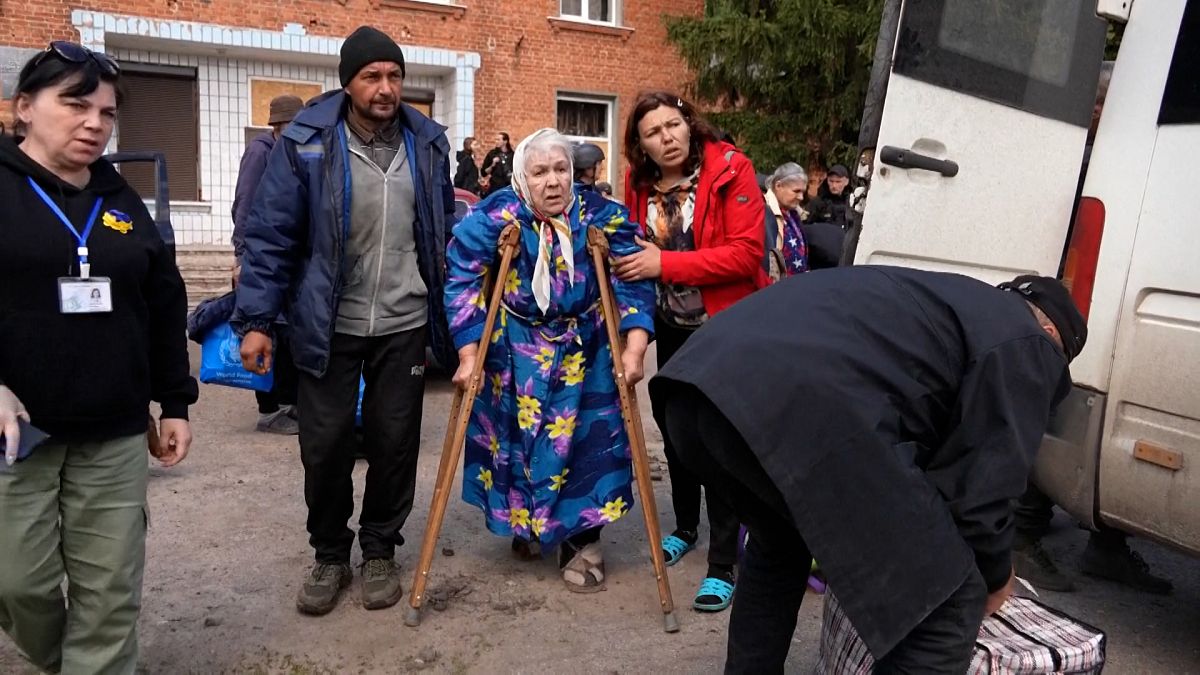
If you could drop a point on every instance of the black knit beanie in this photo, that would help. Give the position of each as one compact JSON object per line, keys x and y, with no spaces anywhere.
{"x":367,"y":45}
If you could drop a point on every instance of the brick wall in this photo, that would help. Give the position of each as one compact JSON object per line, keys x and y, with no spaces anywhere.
{"x":526,"y":61}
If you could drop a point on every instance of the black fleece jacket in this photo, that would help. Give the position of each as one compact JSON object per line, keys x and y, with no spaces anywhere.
{"x":88,"y":377}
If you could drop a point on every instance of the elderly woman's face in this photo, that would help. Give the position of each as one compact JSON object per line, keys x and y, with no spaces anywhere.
{"x":74,"y":130}
{"x":549,"y":178}
{"x":790,"y":192}
{"x":665,"y":137}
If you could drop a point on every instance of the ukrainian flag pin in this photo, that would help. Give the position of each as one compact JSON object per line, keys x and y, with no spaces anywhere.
{"x":118,"y":221}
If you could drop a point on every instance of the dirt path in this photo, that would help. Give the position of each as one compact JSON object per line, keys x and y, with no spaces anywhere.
{"x":227,"y":550}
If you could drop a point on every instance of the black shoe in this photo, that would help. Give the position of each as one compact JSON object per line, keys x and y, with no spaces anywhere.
{"x":322,"y":588}
{"x":1033,"y":564}
{"x":1124,"y":566}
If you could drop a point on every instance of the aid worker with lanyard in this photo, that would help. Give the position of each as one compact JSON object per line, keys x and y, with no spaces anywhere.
{"x":92,"y":312}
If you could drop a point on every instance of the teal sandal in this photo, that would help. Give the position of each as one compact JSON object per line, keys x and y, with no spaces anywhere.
{"x":714,"y":595}
{"x":675,"y":548}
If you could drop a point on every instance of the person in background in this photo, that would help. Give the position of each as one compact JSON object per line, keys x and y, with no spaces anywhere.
{"x":467,"y":175}
{"x":832,"y":205}
{"x":348,"y":229}
{"x":891,"y":440}
{"x":83,"y":371}
{"x":705,"y":220}
{"x":605,"y":189}
{"x":546,"y":458}
{"x":785,"y":200}
{"x":497,"y":166}
{"x":276,"y":408}
{"x":587,"y":158}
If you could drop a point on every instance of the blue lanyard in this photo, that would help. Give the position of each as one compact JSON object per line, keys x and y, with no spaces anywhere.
{"x":82,"y":250}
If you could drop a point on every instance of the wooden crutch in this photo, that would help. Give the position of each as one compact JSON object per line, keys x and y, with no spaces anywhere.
{"x":456,"y":429}
{"x":598,"y":247}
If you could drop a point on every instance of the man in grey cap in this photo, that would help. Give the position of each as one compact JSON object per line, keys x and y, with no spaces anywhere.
{"x":348,"y":233}
{"x":276,"y":408}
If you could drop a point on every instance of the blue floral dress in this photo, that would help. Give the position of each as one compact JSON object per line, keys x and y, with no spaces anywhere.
{"x":546,"y":454}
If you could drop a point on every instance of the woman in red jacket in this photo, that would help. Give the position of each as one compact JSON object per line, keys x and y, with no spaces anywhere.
{"x":703,"y":211}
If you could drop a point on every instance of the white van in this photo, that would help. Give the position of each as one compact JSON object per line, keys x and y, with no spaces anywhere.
{"x":980,"y":147}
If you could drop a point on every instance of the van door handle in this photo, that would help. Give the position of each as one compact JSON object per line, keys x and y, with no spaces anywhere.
{"x":907,"y":159}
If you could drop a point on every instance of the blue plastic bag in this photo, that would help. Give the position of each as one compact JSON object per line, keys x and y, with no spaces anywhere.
{"x":221,"y":362}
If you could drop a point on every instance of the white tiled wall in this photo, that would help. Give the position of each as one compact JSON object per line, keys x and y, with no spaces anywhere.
{"x":463,"y":103}
{"x":225,"y":93}
{"x":224,"y":88}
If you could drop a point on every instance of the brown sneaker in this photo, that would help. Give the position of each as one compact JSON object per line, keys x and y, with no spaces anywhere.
{"x":381,"y":583}
{"x":325,"y":583}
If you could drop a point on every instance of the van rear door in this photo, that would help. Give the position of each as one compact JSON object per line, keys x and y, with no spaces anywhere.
{"x":982,"y":136}
{"x":1150,"y":455}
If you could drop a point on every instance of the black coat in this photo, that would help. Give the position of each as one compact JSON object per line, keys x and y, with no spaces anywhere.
{"x":825,"y":243}
{"x":898,"y":412}
{"x":467,"y":175}
{"x":500,"y":175}
{"x":827,"y":207}
{"x":88,"y":377}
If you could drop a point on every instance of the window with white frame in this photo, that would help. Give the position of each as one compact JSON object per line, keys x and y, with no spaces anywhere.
{"x":589,"y":119}
{"x":595,"y":11}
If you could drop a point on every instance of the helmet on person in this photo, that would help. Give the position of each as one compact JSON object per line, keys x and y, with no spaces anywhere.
{"x":586,"y":155}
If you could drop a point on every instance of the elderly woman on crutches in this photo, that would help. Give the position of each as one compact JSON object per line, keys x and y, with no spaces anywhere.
{"x":547,"y":456}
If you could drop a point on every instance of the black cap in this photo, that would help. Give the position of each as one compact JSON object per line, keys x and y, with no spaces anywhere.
{"x":839,"y":170}
{"x":1052,"y":297}
{"x":367,"y":45}
{"x":586,"y":155}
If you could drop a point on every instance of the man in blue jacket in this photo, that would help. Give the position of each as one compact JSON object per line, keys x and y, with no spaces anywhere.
{"x":348,"y":234}
{"x":276,"y":408}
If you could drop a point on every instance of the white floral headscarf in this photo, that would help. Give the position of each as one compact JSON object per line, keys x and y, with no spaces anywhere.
{"x":549,"y":226}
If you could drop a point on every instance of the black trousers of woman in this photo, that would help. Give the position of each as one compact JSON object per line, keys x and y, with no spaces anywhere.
{"x":686,"y":485}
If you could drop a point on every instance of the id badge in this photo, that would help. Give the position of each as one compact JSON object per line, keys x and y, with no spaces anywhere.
{"x":85,"y":296}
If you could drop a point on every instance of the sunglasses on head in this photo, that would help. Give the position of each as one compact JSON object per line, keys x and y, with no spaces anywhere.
{"x":75,"y":53}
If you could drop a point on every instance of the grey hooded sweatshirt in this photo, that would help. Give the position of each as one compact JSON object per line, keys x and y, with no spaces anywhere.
{"x":382,"y":289}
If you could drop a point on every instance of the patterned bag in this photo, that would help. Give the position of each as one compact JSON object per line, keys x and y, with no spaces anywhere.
{"x":1025,"y":637}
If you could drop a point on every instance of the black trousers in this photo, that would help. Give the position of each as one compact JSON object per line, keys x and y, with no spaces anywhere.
{"x":774,"y":571}
{"x":1033,"y":513}
{"x":685,"y":484}
{"x":286,"y":381}
{"x":393,"y":367}
{"x":1035,"y":510}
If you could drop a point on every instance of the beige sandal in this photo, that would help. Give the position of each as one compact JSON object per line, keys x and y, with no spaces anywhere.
{"x":585,"y":572}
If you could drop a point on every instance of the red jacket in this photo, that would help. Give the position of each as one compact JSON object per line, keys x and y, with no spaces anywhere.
{"x":728,"y":225}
